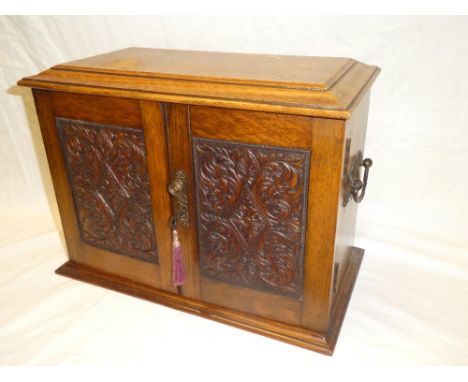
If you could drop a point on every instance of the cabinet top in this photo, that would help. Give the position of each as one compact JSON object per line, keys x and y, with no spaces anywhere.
{"x":320,"y":86}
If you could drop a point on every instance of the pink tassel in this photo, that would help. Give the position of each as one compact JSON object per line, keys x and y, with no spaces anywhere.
{"x":178,"y":269}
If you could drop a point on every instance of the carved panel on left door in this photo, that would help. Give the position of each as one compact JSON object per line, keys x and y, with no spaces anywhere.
{"x":108,"y":176}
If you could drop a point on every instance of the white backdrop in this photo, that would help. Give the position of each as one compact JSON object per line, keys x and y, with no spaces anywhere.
{"x":414,"y":219}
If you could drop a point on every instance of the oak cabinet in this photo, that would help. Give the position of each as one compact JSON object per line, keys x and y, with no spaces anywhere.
{"x":254,"y":162}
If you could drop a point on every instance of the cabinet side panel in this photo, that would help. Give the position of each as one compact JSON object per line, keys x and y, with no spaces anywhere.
{"x":325,"y":177}
{"x":355,"y":138}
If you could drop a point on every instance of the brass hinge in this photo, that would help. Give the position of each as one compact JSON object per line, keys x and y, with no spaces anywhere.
{"x":335,"y":276}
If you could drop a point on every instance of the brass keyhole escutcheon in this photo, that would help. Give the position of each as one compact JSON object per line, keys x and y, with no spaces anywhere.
{"x":178,"y":190}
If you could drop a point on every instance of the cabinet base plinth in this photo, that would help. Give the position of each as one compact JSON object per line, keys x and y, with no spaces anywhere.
{"x":319,"y":342}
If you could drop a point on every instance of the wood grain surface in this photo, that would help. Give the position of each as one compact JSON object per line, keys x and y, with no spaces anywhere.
{"x":316,"y":86}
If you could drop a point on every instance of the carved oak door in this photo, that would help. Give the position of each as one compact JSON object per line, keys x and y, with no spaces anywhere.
{"x":248,"y":176}
{"x":108,"y":162}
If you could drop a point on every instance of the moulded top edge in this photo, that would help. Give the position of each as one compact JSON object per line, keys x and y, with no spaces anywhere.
{"x":301,"y":72}
{"x":309,"y":85}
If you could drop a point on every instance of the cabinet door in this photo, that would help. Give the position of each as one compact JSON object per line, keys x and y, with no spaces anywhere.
{"x":108,"y":162}
{"x":248,"y":176}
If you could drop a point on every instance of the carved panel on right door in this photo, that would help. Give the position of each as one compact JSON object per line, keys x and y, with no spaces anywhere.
{"x":251,"y":214}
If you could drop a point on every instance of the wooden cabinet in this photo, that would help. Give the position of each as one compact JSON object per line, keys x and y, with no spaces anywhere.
{"x":262,"y":156}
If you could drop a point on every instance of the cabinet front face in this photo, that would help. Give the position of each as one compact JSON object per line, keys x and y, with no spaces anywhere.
{"x":262,"y":192}
{"x":106,"y":185}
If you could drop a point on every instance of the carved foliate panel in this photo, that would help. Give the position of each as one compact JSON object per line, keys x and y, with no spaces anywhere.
{"x":251,"y":217}
{"x":108,"y":176}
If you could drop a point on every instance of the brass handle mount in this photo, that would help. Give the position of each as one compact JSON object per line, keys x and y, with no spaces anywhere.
{"x":353,"y":186}
{"x":178,"y":190}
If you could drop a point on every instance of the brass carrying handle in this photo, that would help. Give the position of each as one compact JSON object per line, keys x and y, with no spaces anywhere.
{"x":178,"y":190}
{"x":353,"y":186}
{"x":359,"y":185}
